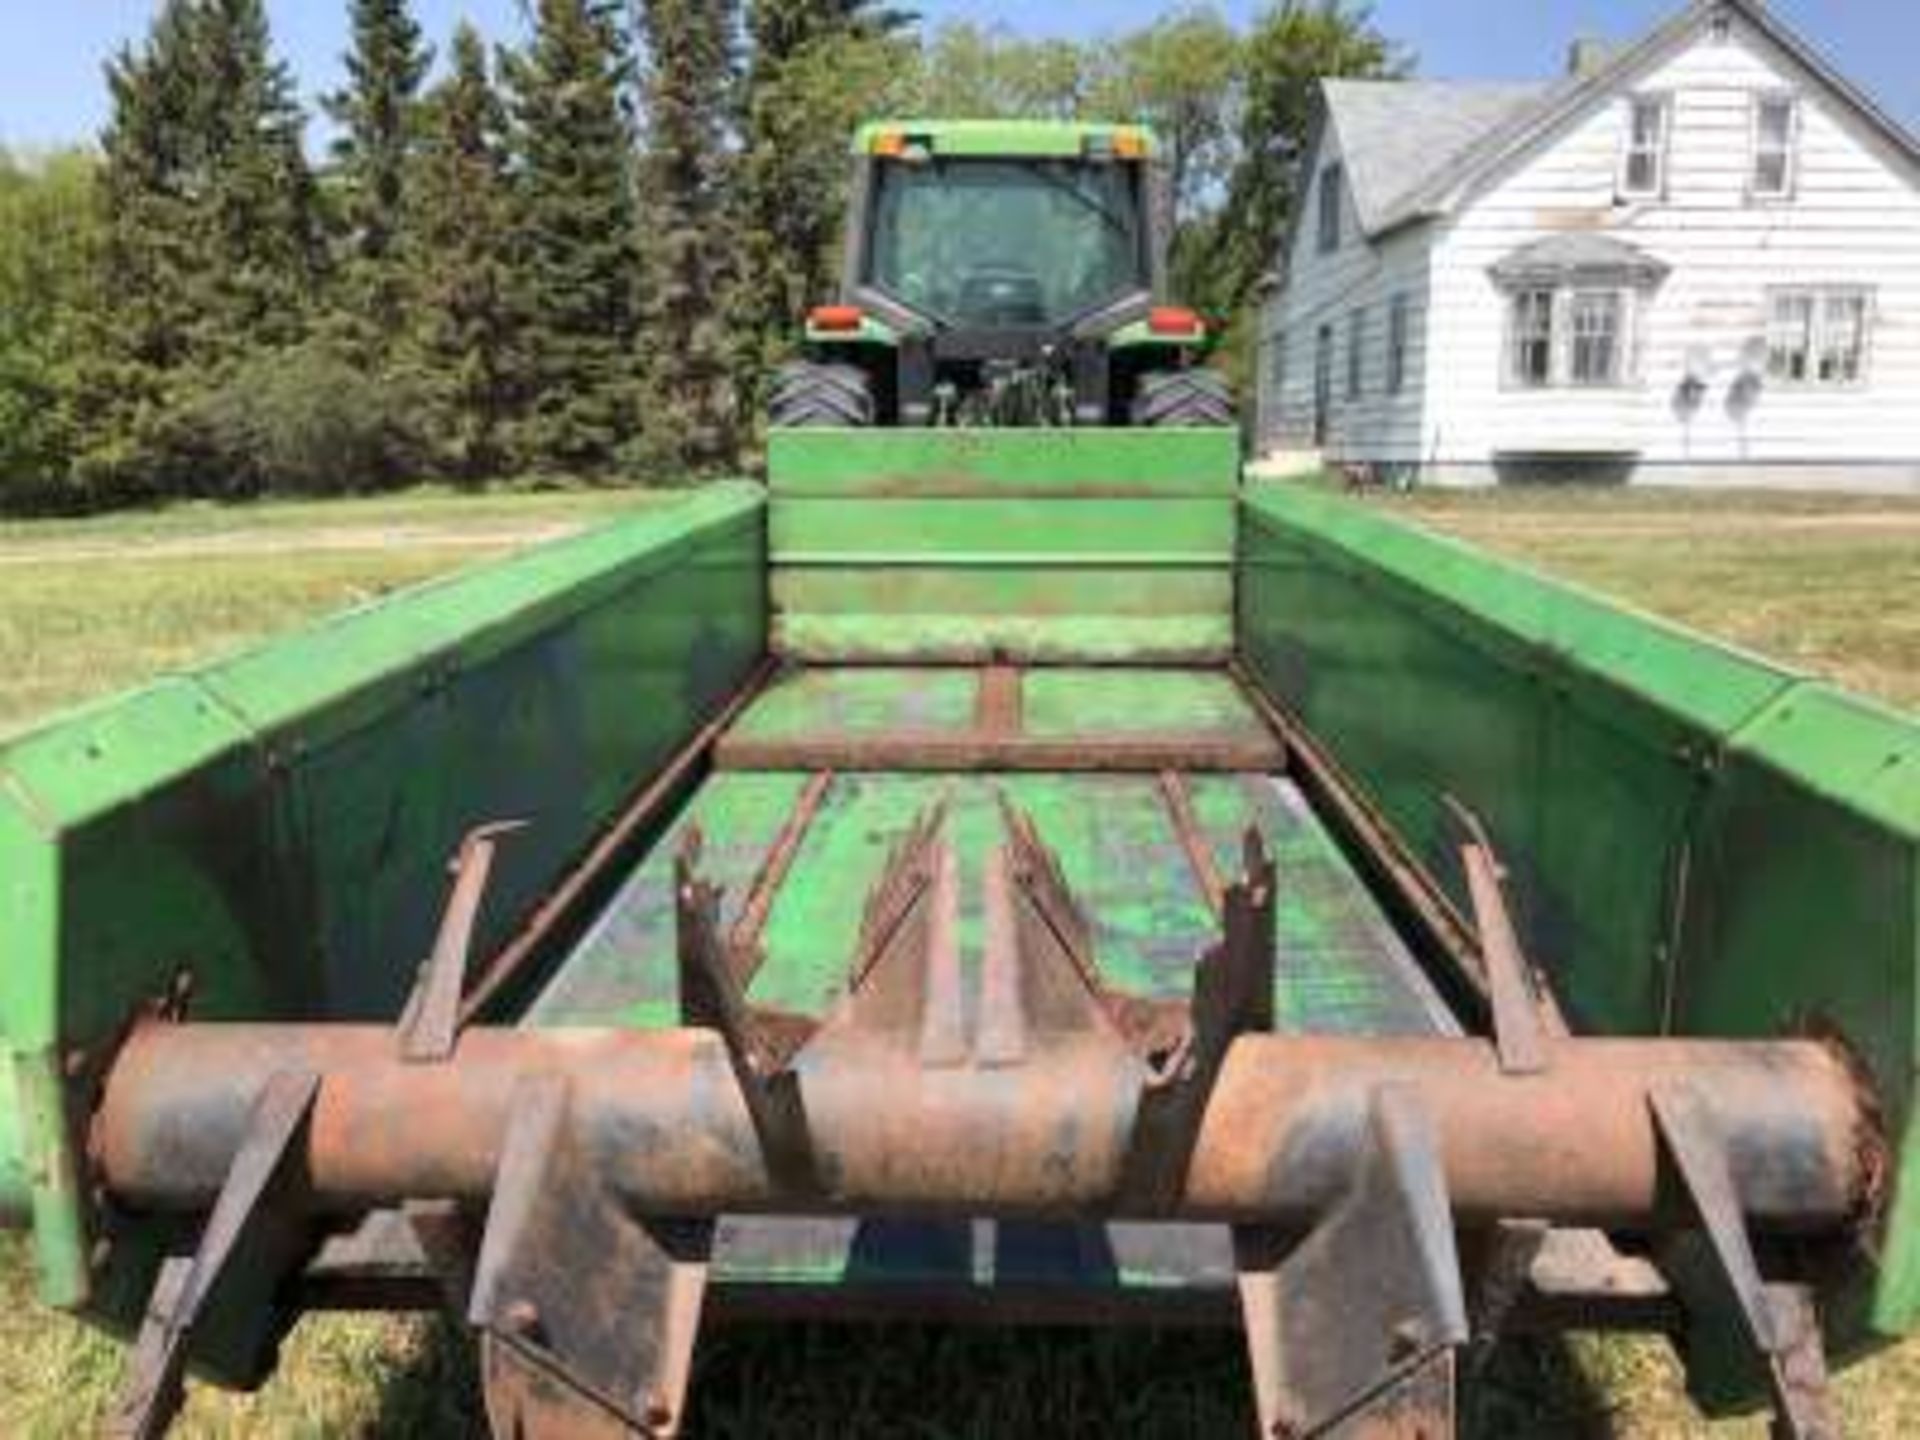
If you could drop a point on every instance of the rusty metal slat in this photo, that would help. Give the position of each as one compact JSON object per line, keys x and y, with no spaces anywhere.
{"x":1143,"y":752}
{"x":1003,"y":1017}
{"x":1000,"y":704}
{"x":943,"y":1020}
{"x":1206,"y":873}
{"x":431,"y":1024}
{"x":1573,"y":1146}
{"x":751,"y":924}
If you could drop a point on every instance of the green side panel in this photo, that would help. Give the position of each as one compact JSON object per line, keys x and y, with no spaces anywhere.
{"x":1015,"y":139}
{"x":1033,"y":613}
{"x":979,"y":531}
{"x":278,"y":826}
{"x":1701,"y":842}
{"x":1117,"y":464}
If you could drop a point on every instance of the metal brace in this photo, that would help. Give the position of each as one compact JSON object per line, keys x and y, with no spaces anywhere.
{"x":1779,"y":1321}
{"x":1518,"y":1032}
{"x":761,"y":1045}
{"x":1357,"y":1328}
{"x":430,"y":1025}
{"x":253,"y":1238}
{"x":1232,"y":995}
{"x":589,"y":1316}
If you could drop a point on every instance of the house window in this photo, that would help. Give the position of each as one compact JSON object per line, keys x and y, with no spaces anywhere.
{"x":1817,"y":337}
{"x":1643,"y":174}
{"x":1356,"y":354}
{"x":1531,"y":342}
{"x":1332,"y":184}
{"x":1776,"y":134}
{"x":1398,"y":315}
{"x":1594,"y":325}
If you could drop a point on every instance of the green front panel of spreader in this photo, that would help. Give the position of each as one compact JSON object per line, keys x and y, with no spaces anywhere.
{"x":1039,"y":545}
{"x":1701,"y":843}
{"x":278,"y":826}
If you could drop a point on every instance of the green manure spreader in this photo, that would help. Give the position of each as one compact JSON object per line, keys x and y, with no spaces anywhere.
{"x":994,"y":872}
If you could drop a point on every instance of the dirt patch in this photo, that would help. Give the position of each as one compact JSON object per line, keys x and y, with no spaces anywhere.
{"x":328,"y":540}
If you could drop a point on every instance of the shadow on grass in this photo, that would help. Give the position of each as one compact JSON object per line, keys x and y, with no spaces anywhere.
{"x":822,"y":1382}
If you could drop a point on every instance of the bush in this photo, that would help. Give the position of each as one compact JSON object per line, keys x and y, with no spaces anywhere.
{"x":301,"y":421}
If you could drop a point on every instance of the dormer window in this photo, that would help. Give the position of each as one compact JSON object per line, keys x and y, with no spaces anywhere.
{"x":1332,"y":186}
{"x":1776,"y":138}
{"x":1643,"y":171}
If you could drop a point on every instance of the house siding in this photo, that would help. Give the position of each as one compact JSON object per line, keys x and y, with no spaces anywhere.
{"x":1853,"y":220}
{"x":1327,"y":290}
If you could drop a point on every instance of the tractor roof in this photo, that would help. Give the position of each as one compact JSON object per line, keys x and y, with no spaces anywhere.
{"x":1018,"y":139}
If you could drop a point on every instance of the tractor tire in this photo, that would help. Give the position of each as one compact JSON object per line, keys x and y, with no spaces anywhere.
{"x":809,"y":395}
{"x":1183,"y":397}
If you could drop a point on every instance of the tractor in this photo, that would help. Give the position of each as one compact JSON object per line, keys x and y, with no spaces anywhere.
{"x":1006,"y":274}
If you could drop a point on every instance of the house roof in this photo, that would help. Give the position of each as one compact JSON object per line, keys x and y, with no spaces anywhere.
{"x":1411,"y":155}
{"x":1397,"y":135}
{"x":1578,"y":257}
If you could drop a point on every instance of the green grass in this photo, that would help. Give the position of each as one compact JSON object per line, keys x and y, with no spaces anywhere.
{"x":87,"y":607}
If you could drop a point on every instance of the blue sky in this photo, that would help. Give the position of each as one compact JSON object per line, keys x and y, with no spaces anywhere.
{"x":50,"y":56}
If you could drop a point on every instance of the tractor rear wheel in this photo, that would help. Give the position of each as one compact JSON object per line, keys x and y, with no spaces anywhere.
{"x":806,"y":394}
{"x":1183,"y":397}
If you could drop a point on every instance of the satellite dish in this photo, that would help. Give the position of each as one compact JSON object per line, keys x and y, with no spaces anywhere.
{"x":1699,"y":364}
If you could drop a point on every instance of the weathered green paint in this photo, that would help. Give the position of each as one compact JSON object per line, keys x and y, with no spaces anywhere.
{"x":1701,"y":842}
{"x":961,"y":531}
{"x":1014,"y":139}
{"x":1112,"y":464}
{"x":865,"y":700}
{"x":1207,"y":703}
{"x":278,"y":825}
{"x":1344,"y":970}
{"x":1044,"y":545}
{"x":1141,"y":615}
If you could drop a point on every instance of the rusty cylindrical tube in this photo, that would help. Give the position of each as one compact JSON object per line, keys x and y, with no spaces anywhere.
{"x":666,"y":1127}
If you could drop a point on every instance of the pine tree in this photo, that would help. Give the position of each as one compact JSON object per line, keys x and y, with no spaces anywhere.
{"x":577,"y":249}
{"x":379,"y":115}
{"x":211,"y":249}
{"x":689,"y":97}
{"x":263,"y":256}
{"x":460,"y":256}
{"x":800,"y":101}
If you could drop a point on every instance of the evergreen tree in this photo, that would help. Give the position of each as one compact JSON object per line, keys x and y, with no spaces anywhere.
{"x":1293,"y":46}
{"x":211,"y":249}
{"x":461,"y":260}
{"x":379,"y":116}
{"x":818,"y":66}
{"x":577,"y":251}
{"x":263,"y":253}
{"x":689,"y":95}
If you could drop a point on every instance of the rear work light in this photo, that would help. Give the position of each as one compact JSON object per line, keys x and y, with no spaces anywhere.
{"x":1175,"y":320}
{"x":838,"y":319}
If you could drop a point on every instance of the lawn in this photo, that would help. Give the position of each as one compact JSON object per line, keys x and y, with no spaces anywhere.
{"x":88,"y":607}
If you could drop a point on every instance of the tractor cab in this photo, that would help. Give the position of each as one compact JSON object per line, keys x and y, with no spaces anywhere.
{"x":1003,"y":273}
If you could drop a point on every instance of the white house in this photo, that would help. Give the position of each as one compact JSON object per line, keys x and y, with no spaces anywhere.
{"x":1695,"y":261}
